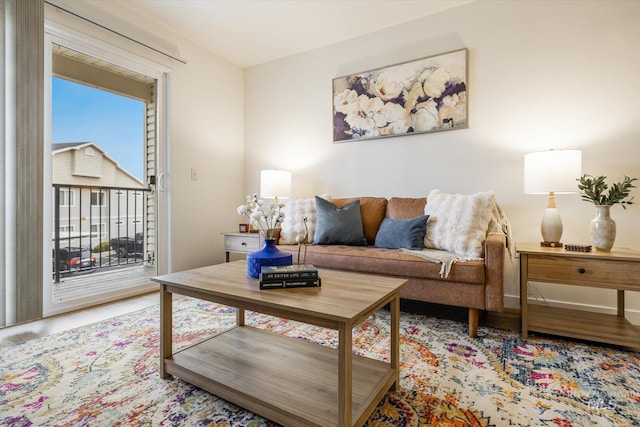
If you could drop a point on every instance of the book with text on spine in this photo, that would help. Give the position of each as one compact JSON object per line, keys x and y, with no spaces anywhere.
{"x":288,"y":272}
{"x":291,"y":283}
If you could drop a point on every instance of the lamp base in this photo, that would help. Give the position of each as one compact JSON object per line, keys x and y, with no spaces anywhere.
{"x":551,"y":226}
{"x":551,"y":244}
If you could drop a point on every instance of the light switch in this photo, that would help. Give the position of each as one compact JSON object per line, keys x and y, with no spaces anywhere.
{"x":194,"y":174}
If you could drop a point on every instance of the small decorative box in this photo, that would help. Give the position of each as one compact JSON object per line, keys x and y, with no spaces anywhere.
{"x":577,"y":248}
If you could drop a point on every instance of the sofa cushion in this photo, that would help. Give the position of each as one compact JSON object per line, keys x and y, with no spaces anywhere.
{"x":458,"y":223}
{"x":338,"y":225}
{"x":390,"y":262}
{"x":402,"y":233}
{"x":373,"y":210}
{"x":295,"y":211}
{"x":405,"y":207}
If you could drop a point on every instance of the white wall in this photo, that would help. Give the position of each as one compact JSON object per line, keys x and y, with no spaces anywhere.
{"x":561,"y":74}
{"x":207,"y":135}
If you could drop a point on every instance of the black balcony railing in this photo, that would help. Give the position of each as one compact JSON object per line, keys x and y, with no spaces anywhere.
{"x":97,"y":228}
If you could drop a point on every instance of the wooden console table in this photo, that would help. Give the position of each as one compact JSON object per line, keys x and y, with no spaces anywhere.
{"x":618,"y":270}
{"x":290,"y":381}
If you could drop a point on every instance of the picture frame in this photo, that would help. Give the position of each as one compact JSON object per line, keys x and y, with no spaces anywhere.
{"x":414,"y":97}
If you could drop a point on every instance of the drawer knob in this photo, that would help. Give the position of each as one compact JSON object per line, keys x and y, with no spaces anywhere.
{"x":244,"y":243}
{"x":582,"y":270}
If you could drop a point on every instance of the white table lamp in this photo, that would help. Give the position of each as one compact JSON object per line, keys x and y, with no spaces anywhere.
{"x":553,"y":172}
{"x":275,"y":184}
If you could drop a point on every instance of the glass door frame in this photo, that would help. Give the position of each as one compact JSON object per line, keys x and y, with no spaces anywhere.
{"x":108,"y":51}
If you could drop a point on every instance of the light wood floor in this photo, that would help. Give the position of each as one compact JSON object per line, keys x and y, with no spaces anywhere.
{"x":27,"y":331}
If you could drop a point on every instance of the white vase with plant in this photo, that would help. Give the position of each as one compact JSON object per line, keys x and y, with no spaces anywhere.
{"x":595,"y":190}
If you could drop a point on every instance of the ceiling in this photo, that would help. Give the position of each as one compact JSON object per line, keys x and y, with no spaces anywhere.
{"x":251,"y":32}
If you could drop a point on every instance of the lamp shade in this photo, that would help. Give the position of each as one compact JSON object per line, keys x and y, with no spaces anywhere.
{"x":275,"y":183}
{"x":552,"y":171}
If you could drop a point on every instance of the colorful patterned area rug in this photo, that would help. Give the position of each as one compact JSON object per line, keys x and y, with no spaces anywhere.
{"x":106,"y":374}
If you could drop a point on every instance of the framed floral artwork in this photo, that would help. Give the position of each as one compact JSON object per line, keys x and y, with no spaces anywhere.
{"x":425,"y":95}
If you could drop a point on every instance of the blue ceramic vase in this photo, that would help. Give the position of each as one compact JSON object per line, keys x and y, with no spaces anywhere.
{"x":269,"y":255}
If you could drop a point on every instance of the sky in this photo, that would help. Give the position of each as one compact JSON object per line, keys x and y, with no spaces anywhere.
{"x":115,"y":123}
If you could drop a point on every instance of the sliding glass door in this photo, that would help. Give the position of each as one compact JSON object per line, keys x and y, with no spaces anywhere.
{"x":103,"y":209}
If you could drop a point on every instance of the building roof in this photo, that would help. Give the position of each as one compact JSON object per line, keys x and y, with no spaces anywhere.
{"x":60,"y":147}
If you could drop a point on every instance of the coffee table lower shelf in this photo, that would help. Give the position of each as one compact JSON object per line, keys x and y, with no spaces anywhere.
{"x":287,"y":380}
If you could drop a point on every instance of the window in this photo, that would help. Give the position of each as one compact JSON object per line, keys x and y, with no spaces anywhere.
{"x":67,"y":228}
{"x":98,"y":231}
{"x":67,"y":197}
{"x":97,"y":198}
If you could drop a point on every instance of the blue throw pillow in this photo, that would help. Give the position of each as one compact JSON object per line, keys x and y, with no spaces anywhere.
{"x":402,"y":233}
{"x":338,"y":226}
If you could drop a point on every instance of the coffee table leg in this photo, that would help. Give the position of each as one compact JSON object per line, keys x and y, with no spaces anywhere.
{"x":395,"y":339}
{"x":166,"y":333}
{"x":345,"y":386}
{"x":239,"y":316}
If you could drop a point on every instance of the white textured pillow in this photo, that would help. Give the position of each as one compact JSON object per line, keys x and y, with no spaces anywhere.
{"x":294,"y":213}
{"x":458,"y":223}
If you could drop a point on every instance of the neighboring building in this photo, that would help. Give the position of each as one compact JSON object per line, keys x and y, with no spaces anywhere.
{"x":97,"y":200}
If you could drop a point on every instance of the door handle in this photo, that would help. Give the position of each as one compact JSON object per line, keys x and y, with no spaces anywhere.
{"x":161,"y":182}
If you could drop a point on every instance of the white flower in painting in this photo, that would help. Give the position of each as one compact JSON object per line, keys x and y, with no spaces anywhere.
{"x":387,"y":86}
{"x":425,"y":116}
{"x":392,"y":119}
{"x":361,"y":118}
{"x":411,"y":98}
{"x":453,"y":109}
{"x":434,"y":81}
{"x":345,"y":101}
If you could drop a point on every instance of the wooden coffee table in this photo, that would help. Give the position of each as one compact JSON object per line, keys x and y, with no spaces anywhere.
{"x":287,"y":380}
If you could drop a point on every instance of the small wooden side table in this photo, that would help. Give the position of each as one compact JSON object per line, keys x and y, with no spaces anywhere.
{"x":241,"y":243}
{"x":618,"y":269}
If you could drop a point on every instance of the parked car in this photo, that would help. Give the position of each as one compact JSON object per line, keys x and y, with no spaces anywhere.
{"x":124,"y":246}
{"x":72,"y":259}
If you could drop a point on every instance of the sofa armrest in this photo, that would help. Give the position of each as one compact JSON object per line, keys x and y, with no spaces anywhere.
{"x":494,"y":255}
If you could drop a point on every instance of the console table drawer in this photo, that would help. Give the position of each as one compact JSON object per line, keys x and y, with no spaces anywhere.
{"x":579,"y":271}
{"x":241,"y":244}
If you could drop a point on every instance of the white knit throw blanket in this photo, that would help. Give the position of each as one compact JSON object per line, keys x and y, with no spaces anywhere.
{"x":443,"y":257}
{"x":499,"y":224}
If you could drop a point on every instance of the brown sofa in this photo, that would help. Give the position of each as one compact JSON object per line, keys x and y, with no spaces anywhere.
{"x":476,"y":285}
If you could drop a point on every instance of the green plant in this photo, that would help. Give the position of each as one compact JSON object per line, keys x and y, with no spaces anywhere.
{"x":594,"y":189}
{"x":102,"y":247}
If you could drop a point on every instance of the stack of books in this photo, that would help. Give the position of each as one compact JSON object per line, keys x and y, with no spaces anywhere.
{"x":290,"y":276}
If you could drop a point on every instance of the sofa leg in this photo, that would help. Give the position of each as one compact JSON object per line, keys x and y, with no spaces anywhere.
{"x":474,"y":319}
